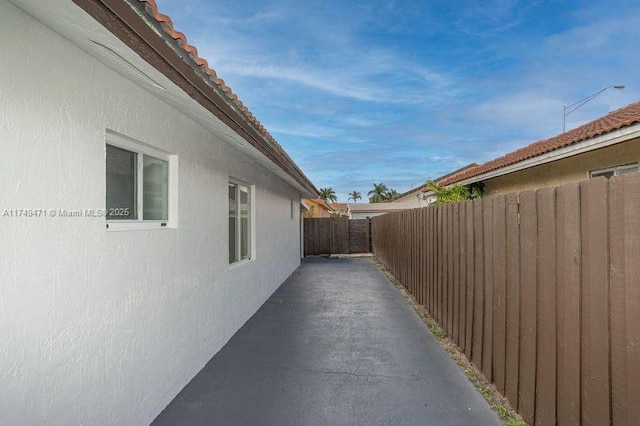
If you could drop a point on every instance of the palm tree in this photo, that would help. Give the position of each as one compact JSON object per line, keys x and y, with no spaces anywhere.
{"x":328,"y":194}
{"x":355,"y":196}
{"x":378,"y":193}
{"x":391,"y":194}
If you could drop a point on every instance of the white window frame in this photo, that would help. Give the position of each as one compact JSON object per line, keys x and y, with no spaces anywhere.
{"x":141,"y":149}
{"x":252,"y":221}
{"x":616,"y":170}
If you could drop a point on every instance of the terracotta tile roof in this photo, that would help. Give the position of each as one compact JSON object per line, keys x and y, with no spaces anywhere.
{"x":338,"y":206}
{"x":615,"y":120}
{"x":167,"y":24}
{"x":423,"y":187}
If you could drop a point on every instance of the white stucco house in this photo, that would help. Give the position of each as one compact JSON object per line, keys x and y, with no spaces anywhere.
{"x":145,"y":214}
{"x":367,"y":210}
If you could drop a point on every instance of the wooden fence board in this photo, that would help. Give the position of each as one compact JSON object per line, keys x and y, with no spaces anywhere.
{"x":625,"y":299}
{"x":499,"y":245}
{"x":444,"y":265}
{"x":420,"y":254}
{"x":487,"y":334}
{"x":423,"y":256}
{"x":416,"y":257}
{"x":434,"y":261}
{"x":470,"y":274}
{"x":595,"y":315}
{"x":429,"y":260}
{"x":401,"y":249}
{"x":568,"y":293}
{"x":453,"y":273}
{"x":478,"y":279}
{"x":528,"y":313}
{"x":439,"y":259}
{"x":450,"y":279}
{"x":412,"y":253}
{"x":462,"y":275}
{"x":410,"y":250}
{"x":406,"y":249}
{"x":618,"y":309}
{"x":513,"y":299}
{"x":546,"y":356}
{"x":632,"y":293}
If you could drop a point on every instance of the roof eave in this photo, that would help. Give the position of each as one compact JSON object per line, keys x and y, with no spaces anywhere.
{"x":129,"y":21}
{"x":617,"y":136}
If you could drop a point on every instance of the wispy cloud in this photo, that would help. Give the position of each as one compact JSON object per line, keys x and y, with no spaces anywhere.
{"x":370,"y":81}
{"x":362,"y":92}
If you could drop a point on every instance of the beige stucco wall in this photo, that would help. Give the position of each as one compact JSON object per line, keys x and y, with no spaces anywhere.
{"x":317,"y":210}
{"x":412,"y":200}
{"x":570,"y":169}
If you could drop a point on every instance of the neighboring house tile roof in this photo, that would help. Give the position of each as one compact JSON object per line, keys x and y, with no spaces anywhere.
{"x":424,"y":188}
{"x":338,"y":206}
{"x":615,"y":120}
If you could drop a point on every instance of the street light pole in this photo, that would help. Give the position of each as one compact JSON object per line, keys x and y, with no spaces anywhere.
{"x":566,"y":110}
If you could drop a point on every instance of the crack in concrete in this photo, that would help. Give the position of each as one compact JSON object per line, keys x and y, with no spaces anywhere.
{"x":349,"y":373}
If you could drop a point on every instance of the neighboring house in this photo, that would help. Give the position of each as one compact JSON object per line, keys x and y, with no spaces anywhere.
{"x":605,"y":147}
{"x":340,"y":209}
{"x":145,"y":213}
{"x":317,"y":207}
{"x":421,"y":196}
{"x":366,"y":210}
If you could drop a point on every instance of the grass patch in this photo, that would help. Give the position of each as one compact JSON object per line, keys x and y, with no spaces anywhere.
{"x":498,"y":403}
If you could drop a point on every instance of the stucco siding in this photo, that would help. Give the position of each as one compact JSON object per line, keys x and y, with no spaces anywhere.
{"x":102,"y":327}
{"x":412,"y":200}
{"x":571,"y":169}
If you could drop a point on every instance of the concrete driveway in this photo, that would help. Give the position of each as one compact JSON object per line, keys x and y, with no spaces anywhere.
{"x":335,"y":345}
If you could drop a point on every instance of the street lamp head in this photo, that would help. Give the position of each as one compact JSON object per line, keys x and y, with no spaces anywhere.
{"x":566,"y":110}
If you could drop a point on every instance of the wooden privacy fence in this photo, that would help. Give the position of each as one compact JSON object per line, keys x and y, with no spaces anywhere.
{"x":541,"y":291}
{"x":336,"y":235}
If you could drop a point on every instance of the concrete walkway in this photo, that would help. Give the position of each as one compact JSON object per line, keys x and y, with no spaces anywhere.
{"x":335,"y":345}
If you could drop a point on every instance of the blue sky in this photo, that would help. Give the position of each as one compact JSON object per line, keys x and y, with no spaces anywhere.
{"x":359,"y":92}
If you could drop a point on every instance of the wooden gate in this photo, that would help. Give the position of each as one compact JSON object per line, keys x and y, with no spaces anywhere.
{"x":336,"y":235}
{"x":359,"y":236}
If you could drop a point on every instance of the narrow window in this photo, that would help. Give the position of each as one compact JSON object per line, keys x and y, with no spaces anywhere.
{"x":233,"y":205}
{"x":122,"y":183}
{"x":155,"y":189}
{"x":244,"y":222}
{"x":239,"y":222}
